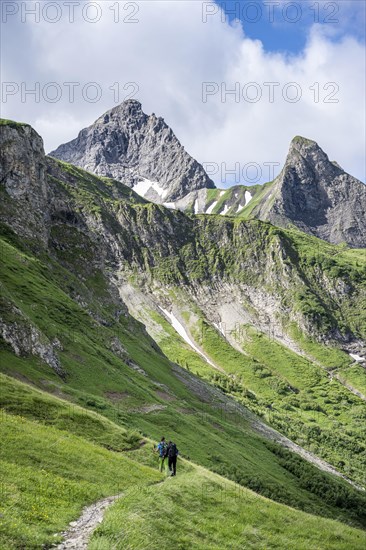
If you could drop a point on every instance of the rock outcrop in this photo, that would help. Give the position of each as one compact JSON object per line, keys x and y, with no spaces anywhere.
{"x":23,"y":180}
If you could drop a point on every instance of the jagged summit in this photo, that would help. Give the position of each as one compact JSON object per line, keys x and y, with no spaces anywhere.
{"x":314,"y":155}
{"x":311,"y":193}
{"x":317,"y":196}
{"x":301,"y":141}
{"x":129,"y":108}
{"x":307,"y":148}
{"x":139,"y":150}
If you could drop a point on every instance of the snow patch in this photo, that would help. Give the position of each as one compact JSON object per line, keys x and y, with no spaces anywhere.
{"x":196,"y":207}
{"x":357,"y":358}
{"x":240,"y":207}
{"x":142,"y":187}
{"x":222,"y":193}
{"x":219,"y":328}
{"x":248,"y":197}
{"x":183,"y":333}
{"x":170,"y":205}
{"x":226,"y":209}
{"x":210,"y":208}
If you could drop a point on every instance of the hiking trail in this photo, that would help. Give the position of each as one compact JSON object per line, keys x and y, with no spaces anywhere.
{"x":77,"y":536}
{"x":79,"y":532}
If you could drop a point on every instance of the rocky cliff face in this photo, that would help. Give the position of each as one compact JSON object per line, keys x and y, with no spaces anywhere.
{"x":317,"y":196}
{"x":24,"y":192}
{"x":138,"y":150}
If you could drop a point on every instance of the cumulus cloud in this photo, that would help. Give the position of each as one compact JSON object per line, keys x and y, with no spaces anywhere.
{"x":168,"y":55}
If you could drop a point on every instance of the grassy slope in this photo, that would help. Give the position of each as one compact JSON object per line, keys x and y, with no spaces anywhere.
{"x":28,"y":402}
{"x":246,"y":213}
{"x":290,"y":392}
{"x":85,"y":187}
{"x":355,"y":375}
{"x":98,"y":379}
{"x":345,"y":270}
{"x":236,"y":196}
{"x":200,"y":510}
{"x":49,"y":474}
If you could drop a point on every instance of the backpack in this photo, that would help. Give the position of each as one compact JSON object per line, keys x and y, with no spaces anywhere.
{"x":172,"y":450}
{"x":162,"y":446}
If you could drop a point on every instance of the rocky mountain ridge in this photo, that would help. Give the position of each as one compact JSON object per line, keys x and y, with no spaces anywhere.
{"x":311,"y":192}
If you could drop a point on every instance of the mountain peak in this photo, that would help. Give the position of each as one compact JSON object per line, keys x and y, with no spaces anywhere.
{"x":129,"y":109}
{"x":300,"y":141}
{"x":317,"y":196}
{"x":129,"y":106}
{"x":139,"y":150}
{"x":308,"y":149}
{"x":306,"y":156}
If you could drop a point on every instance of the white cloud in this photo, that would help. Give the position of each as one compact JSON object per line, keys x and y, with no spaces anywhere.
{"x":169,"y":53}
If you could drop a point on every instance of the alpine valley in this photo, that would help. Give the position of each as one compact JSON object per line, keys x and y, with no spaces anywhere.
{"x":140,"y":300}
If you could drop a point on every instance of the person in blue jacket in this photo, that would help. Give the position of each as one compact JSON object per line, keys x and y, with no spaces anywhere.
{"x":162,"y":451}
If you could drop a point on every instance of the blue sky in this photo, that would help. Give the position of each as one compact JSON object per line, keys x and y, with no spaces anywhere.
{"x":284,"y":26}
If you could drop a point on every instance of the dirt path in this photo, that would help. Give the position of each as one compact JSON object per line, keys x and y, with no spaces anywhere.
{"x":77,"y":536}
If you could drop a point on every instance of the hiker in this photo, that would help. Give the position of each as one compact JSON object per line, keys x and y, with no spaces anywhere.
{"x":172,"y":453}
{"x":162,"y":450}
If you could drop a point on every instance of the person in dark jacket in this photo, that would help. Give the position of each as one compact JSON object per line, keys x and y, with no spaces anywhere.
{"x":172,"y":453}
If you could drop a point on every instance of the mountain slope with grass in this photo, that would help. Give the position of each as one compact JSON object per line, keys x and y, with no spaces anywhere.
{"x":194,"y":507}
{"x":115,"y":369}
{"x":49,"y":474}
{"x":213,"y":331}
{"x":56,"y":458}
